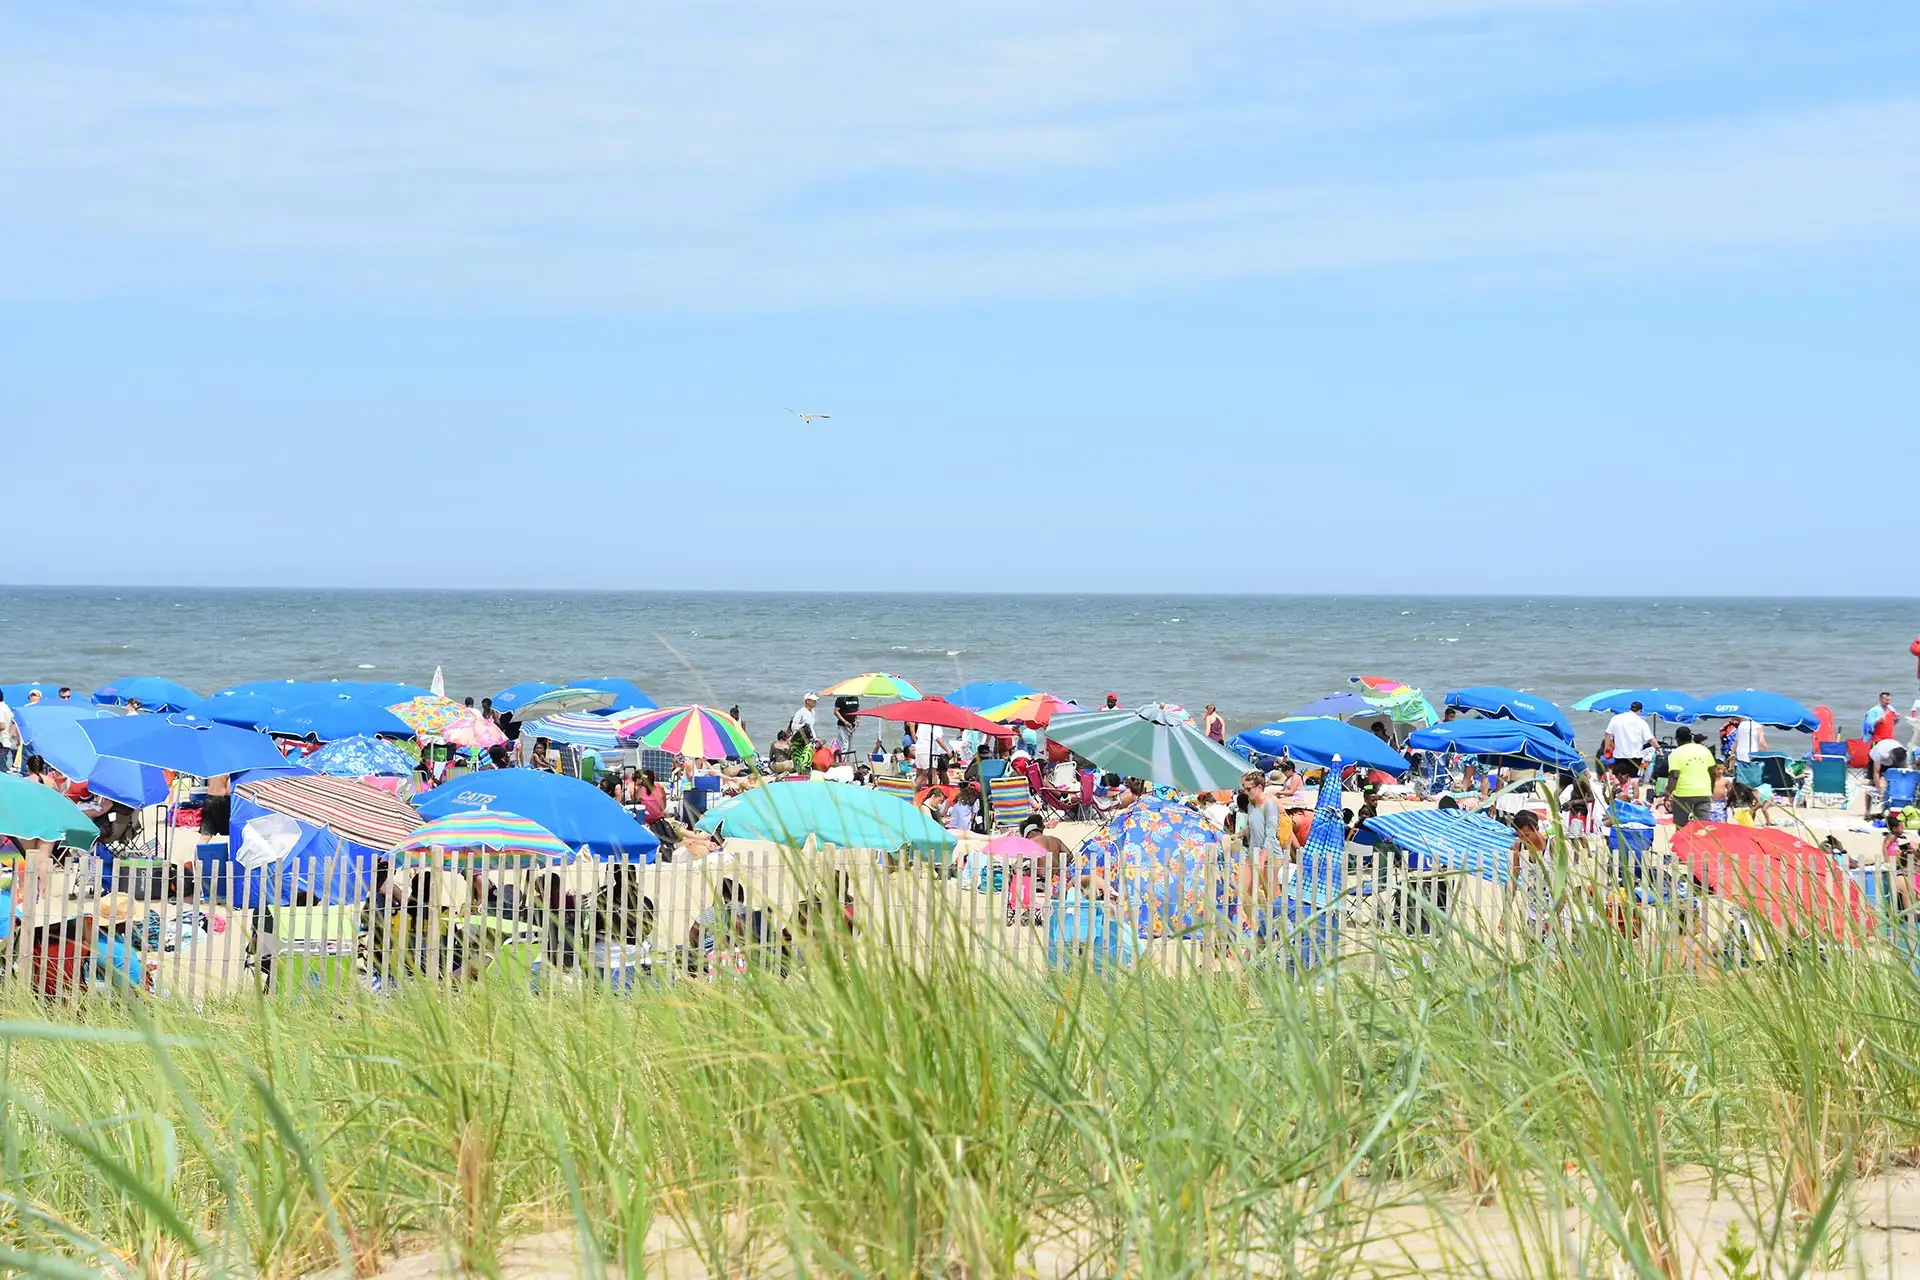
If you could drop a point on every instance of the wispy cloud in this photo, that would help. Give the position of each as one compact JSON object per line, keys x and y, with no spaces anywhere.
{"x":677,"y":156}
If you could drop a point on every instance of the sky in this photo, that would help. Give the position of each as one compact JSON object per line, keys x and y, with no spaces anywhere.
{"x":1537,"y":296}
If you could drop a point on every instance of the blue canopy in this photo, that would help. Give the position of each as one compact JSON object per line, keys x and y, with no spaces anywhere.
{"x":1776,"y":711}
{"x":982,"y":694}
{"x":1449,"y":840}
{"x":183,"y":743}
{"x":152,"y":692}
{"x":1507,"y":741}
{"x":1667,"y":704}
{"x":1341,"y":705}
{"x":1317,"y":740}
{"x":1512,"y":704}
{"x":575,"y":811}
{"x":627,"y":694}
{"x":360,"y":757}
{"x":52,"y":731}
{"x":328,"y":718}
{"x":322,"y":865}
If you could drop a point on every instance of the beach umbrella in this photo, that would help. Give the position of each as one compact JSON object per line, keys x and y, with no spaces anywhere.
{"x":696,"y":731}
{"x":835,"y":813}
{"x":360,"y":757}
{"x":579,"y":813}
{"x":1503,"y":703}
{"x":1008,"y":846}
{"x":873,"y":684}
{"x":1407,"y":704}
{"x":326,"y":718}
{"x":426,"y":717}
{"x":1449,"y":840}
{"x":151,"y":692}
{"x":350,"y":809}
{"x":1339,"y":705}
{"x":1037,"y":709}
{"x":52,"y":731}
{"x":288,"y":693}
{"x":481,"y":838}
{"x":472,"y":731}
{"x":982,"y":694}
{"x":511,"y":697}
{"x":576,"y":728}
{"x":183,"y":742}
{"x":1169,"y":862}
{"x":1317,"y":740}
{"x":1321,"y":874}
{"x":1773,"y":873}
{"x":1505,"y":742}
{"x":938,"y":712}
{"x":29,"y":811}
{"x":17,"y":694}
{"x":1150,"y":742}
{"x":562,"y":700}
{"x":1774,"y":710}
{"x":1664,"y":704}
{"x":627,"y":695}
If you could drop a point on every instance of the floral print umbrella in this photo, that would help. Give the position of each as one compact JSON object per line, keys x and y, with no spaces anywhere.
{"x":1170,"y":863}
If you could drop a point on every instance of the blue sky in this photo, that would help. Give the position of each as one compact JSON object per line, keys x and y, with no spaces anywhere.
{"x":1435,"y":295}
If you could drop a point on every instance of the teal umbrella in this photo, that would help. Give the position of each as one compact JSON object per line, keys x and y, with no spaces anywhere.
{"x":29,"y":811}
{"x":1150,"y":742}
{"x":836,"y":813}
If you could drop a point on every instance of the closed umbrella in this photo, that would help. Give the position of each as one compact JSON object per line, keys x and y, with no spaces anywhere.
{"x":834,"y":813}
{"x":29,"y":811}
{"x":184,"y":743}
{"x":52,"y":731}
{"x":1503,"y":703}
{"x":151,"y":692}
{"x":1150,"y":742}
{"x":1317,"y":740}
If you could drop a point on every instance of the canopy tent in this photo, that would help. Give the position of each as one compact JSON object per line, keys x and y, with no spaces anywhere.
{"x":1512,"y":704}
{"x":331,"y":717}
{"x":352,"y":810}
{"x":151,"y":692}
{"x":834,"y":813}
{"x":29,"y":811}
{"x":1449,"y":840}
{"x":1506,"y":742}
{"x":1776,"y":711}
{"x":1317,"y":740}
{"x":1169,"y":863}
{"x":577,"y":812}
{"x":52,"y":731}
{"x":1150,"y":742}
{"x":982,"y":694}
{"x":183,"y":743}
{"x":1663,"y":704}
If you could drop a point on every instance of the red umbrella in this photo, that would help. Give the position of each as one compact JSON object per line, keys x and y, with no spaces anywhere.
{"x":938,"y":711}
{"x":1774,"y":873}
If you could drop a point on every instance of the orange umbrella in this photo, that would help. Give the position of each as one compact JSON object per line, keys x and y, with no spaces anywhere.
{"x":1775,"y":874}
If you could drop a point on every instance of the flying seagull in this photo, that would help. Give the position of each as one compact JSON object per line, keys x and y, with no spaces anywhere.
{"x":808,"y":417}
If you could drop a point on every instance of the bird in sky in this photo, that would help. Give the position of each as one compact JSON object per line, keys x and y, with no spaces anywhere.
{"x":808,"y":417}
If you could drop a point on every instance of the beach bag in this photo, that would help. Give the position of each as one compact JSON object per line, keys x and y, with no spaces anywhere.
{"x":1081,"y":931}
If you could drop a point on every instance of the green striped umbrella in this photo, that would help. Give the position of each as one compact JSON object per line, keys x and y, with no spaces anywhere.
{"x":29,"y":811}
{"x":1150,"y":742}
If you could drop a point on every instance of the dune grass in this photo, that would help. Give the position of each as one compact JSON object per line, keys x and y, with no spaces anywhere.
{"x":874,"y":1115}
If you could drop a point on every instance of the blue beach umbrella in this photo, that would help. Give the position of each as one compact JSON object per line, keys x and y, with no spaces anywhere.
{"x":835,"y":813}
{"x":1340,"y":706}
{"x":577,"y":812}
{"x":982,"y":694}
{"x":52,"y":731}
{"x":1506,"y":742}
{"x":248,"y":710}
{"x":329,"y":718}
{"x":1667,"y":704}
{"x":360,"y":756}
{"x":627,"y":696}
{"x":1317,"y":740}
{"x":183,"y":743}
{"x":1775,"y":710}
{"x":576,"y":728}
{"x":17,"y":694}
{"x":151,"y":692}
{"x":1511,"y":704}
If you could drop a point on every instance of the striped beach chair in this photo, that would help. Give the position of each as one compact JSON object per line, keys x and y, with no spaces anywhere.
{"x":1009,"y":800}
{"x":895,"y":786}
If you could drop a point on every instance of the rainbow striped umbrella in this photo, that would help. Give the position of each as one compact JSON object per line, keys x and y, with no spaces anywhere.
{"x":429,"y":715}
{"x":481,"y":837}
{"x":874,"y":684}
{"x":695,"y":731}
{"x":1034,"y":709}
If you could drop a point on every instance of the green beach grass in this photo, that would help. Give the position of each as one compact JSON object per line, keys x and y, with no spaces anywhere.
{"x":940,"y":1116}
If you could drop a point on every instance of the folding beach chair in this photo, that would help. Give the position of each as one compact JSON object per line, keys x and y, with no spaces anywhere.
{"x":1900,"y":787}
{"x":1009,"y":800}
{"x":1776,"y":771}
{"x":1829,"y":781}
{"x":902,"y":788}
{"x":308,"y":948}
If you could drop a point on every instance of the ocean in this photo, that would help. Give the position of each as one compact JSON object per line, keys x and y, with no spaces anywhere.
{"x":1257,"y":657}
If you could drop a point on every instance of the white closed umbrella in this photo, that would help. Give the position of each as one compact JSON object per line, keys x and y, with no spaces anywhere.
{"x":438,"y":686}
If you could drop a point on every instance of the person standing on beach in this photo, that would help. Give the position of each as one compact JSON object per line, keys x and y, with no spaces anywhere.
{"x":1112,"y":703}
{"x":9,"y":735}
{"x":1749,"y":738}
{"x":1259,"y":822}
{"x":1216,"y":725}
{"x":1628,"y":740}
{"x":1879,"y":722}
{"x":1691,"y":773}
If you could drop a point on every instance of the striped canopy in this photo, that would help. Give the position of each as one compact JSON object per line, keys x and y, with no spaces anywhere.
{"x":700,"y":732}
{"x":1150,"y":742}
{"x":482,"y":837}
{"x":873,"y":684}
{"x":351,"y":810}
{"x":428,"y":715}
{"x":1450,"y":840}
{"x":577,"y":728}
